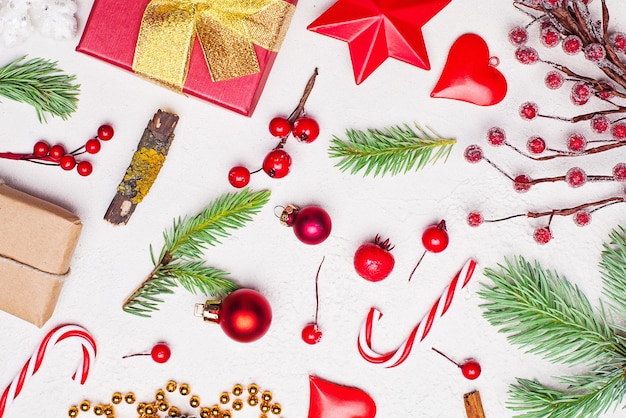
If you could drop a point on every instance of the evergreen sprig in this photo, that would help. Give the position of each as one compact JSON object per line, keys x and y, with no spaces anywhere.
{"x":613,"y":270}
{"x":41,"y":84}
{"x":546,"y":314}
{"x":180,"y":262}
{"x":392,"y":150}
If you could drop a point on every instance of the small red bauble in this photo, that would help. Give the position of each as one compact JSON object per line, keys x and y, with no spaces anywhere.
{"x":280,"y":127}
{"x":239,"y":176}
{"x":245,"y":315}
{"x":311,"y":224}
{"x":306,"y":129}
{"x":105,"y":132}
{"x":277,"y":163}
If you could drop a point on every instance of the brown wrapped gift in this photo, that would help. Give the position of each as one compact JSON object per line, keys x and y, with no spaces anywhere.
{"x":37,"y":241}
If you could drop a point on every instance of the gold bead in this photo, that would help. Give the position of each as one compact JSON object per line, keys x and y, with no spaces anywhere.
{"x":98,"y":410}
{"x":116,"y":398}
{"x":184,"y":389}
{"x":277,"y":409}
{"x":173,"y":412}
{"x":224,"y":398}
{"x":163,"y":406}
{"x":159,"y":395}
{"x":149,"y":409}
{"x":215,"y":411}
{"x":253,"y":389}
{"x":194,"y":401}
{"x":85,"y":406}
{"x":141,"y":407}
{"x":262,"y":416}
{"x":72,"y":412}
{"x":108,"y":410}
{"x":130,"y":398}
{"x":170,"y":386}
{"x":237,"y":404}
{"x":205,"y":412}
{"x":253,"y":400}
{"x":267,"y":396}
{"x":265,"y":407}
{"x":227,"y":414}
{"x":237,"y":390}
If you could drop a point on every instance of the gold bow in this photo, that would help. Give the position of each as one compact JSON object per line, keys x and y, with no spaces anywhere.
{"x":227,"y":31}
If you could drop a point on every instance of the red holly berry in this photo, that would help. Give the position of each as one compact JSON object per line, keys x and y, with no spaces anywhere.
{"x":277,"y":163}
{"x":160,"y":353}
{"x":305,"y":129}
{"x":550,"y":37}
{"x":57,"y":152}
{"x":619,"y":172}
{"x":581,"y":92}
{"x":572,"y":45}
{"x":618,"y":131}
{"x":473,"y":153}
{"x":595,"y":52}
{"x":41,"y":149}
{"x":93,"y":146}
{"x":528,"y":110}
{"x":554,"y":80}
{"x":600,"y":124}
{"x":582,"y":217}
{"x":67,"y":162}
{"x":576,"y":142}
{"x":575,"y":177}
{"x":496,"y":136}
{"x":536,"y":145}
{"x":373,"y":261}
{"x":470,"y":368}
{"x":105,"y":132}
{"x":518,"y":36}
{"x":474,"y":219}
{"x":521,"y":183}
{"x":542,"y":235}
{"x":84,"y":168}
{"x":280,"y":126}
{"x":618,"y":41}
{"x":526,"y":55}
{"x":435,"y":238}
{"x":311,"y":333}
{"x":239,"y":176}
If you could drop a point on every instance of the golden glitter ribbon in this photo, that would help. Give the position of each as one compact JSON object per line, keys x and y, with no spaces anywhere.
{"x":226,"y":29}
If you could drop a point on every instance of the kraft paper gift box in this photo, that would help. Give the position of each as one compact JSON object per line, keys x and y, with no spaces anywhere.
{"x":38,"y":239}
{"x":153,"y":38}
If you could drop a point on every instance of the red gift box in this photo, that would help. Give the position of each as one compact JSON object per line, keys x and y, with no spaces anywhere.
{"x":111,"y":34}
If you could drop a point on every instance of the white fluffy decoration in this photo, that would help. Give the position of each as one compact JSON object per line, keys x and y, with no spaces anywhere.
{"x":52,"y":18}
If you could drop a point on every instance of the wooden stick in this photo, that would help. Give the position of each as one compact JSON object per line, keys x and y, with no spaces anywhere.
{"x":143,"y":168}
{"x":473,"y":405}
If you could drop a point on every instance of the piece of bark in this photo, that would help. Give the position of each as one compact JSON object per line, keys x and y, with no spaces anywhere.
{"x":143,"y":168}
{"x":473,"y":405}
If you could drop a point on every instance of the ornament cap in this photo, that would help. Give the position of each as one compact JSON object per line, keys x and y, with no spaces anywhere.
{"x":208,"y":311}
{"x":288,"y":215}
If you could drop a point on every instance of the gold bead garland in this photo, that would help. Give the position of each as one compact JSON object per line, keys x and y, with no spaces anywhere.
{"x":255,"y":397}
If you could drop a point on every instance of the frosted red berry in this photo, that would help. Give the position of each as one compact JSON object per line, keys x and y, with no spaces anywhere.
{"x":474,"y":218}
{"x":595,"y":52}
{"x":536,"y":145}
{"x":518,"y":36}
{"x":542,"y":235}
{"x":92,"y":146}
{"x":604,"y":90}
{"x":554,"y":80}
{"x":526,"y":55}
{"x":306,"y":129}
{"x":311,"y":333}
{"x":528,"y":110}
{"x":550,"y":37}
{"x":84,"y":168}
{"x":67,"y":162}
{"x":619,"y":172}
{"x":552,"y":4}
{"x":57,"y":152}
{"x":600,"y":124}
{"x":618,"y":131}
{"x":581,"y":92}
{"x":105,"y":132}
{"x":277,"y":163}
{"x":160,"y":353}
{"x":496,"y":136}
{"x":582,"y":217}
{"x":41,"y":149}
{"x":279,"y":126}
{"x":239,"y":176}
{"x":576,"y":177}
{"x":473,"y":153}
{"x":572,"y":45}
{"x":521,"y":183}
{"x":576,"y":142}
{"x":618,"y":41}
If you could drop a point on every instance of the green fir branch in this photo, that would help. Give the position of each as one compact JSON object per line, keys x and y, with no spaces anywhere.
{"x":392,"y":150}
{"x":41,"y":84}
{"x":547,"y":315}
{"x":179,"y":261}
{"x":613,"y":271}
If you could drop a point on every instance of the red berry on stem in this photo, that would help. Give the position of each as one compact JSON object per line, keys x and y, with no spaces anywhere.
{"x":311,"y":334}
{"x":496,"y":136}
{"x":582,"y":217}
{"x":518,"y":36}
{"x":67,"y":162}
{"x":41,"y":149}
{"x":93,"y":146}
{"x":434,"y":239}
{"x":470,"y":369}
{"x":474,"y":219}
{"x":473,"y":153}
{"x":160,"y":353}
{"x":526,"y":55}
{"x":56,"y":152}
{"x":619,"y":172}
{"x":280,"y":126}
{"x":572,"y":45}
{"x":306,"y":129}
{"x":536,"y":145}
{"x":575,"y":177}
{"x":554,"y":80}
{"x":528,"y":110}
{"x":618,"y":41}
{"x":542,"y":235}
{"x":373,"y":261}
{"x":521,"y":183}
{"x":595,"y":52}
{"x":550,"y":37}
{"x":600,"y":124}
{"x":618,"y":131}
{"x":576,"y":142}
{"x":105,"y":132}
{"x":239,"y":176}
{"x":277,"y":163}
{"x":581,"y":93}
{"x":84,"y":168}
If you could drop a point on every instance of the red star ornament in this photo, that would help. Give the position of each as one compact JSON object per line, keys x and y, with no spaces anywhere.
{"x":378,"y":29}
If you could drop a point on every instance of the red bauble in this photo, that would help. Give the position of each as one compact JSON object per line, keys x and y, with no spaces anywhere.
{"x":245,"y":315}
{"x":330,"y":400}
{"x":311,"y":224}
{"x":470,"y":75}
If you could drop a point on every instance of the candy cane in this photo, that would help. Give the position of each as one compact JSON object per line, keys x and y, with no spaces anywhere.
{"x":421,"y":330}
{"x":33,"y":364}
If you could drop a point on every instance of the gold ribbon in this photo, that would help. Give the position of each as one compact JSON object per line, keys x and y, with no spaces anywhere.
{"x":226,"y":29}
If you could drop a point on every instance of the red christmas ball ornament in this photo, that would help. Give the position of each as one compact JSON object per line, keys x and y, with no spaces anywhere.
{"x":311,"y":224}
{"x":244,"y":315}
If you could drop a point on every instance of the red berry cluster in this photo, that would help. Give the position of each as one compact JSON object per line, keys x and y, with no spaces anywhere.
{"x":44,"y":153}
{"x":277,"y":162}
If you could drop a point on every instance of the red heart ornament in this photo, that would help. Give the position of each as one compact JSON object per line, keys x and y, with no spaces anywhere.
{"x":470,"y":74}
{"x":331,"y":400}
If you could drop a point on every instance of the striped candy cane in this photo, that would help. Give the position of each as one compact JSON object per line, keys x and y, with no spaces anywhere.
{"x":33,"y":364}
{"x":421,"y":330}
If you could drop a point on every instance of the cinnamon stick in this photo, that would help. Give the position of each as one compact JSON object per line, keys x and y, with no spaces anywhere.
{"x":473,"y":405}
{"x":143,"y":168}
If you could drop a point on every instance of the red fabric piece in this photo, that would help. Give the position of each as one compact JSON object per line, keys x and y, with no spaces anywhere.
{"x":331,"y":400}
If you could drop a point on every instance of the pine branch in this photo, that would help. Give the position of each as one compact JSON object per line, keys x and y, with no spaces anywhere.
{"x":547,"y":315}
{"x":41,"y":84}
{"x":179,"y":260}
{"x":613,"y":270}
{"x":392,"y":150}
